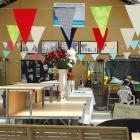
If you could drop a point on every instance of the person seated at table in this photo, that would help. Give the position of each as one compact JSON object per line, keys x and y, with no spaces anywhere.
{"x":125,"y":85}
{"x":130,"y":83}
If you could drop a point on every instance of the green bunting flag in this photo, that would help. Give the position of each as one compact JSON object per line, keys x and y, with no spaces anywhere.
{"x":101,"y":15}
{"x":13,"y":32}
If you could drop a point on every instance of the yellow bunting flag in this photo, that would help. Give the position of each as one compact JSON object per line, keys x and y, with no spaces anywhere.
{"x":101,"y":15}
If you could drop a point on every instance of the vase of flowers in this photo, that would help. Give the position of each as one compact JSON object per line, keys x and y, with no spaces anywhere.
{"x":63,"y":61}
{"x":63,"y":81}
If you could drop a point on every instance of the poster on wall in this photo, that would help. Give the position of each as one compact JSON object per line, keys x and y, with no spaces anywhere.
{"x":110,"y":47}
{"x":74,"y":46}
{"x":29,"y":48}
{"x":79,"y":16}
{"x":88,"y":48}
{"x":48,"y":46}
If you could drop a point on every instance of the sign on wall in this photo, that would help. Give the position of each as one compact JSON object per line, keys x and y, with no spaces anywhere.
{"x":29,"y":48}
{"x":48,"y":46}
{"x":110,"y":47}
{"x":88,"y":47}
{"x":79,"y":16}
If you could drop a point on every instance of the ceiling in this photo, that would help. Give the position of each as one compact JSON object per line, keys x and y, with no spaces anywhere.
{"x":5,"y":2}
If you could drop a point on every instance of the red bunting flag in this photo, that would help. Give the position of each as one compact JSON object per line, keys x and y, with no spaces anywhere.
{"x":10,"y":45}
{"x":99,"y":38}
{"x":24,"y":19}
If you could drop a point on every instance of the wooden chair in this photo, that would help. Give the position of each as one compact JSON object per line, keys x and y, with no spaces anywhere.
{"x":51,"y":132}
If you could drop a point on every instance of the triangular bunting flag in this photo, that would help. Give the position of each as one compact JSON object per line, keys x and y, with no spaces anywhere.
{"x":10,"y":45}
{"x":4,"y":44}
{"x":101,"y":15}
{"x":69,"y":42}
{"x":81,"y":57}
{"x":94,"y":56}
{"x":6,"y":53}
{"x":65,"y":17}
{"x":134,"y":44}
{"x":126,"y":55}
{"x":113,"y":55}
{"x":13,"y":32}
{"x":128,"y":34}
{"x":37,"y":56}
{"x":24,"y":19}
{"x":36,"y":33}
{"x":18,"y":45}
{"x":23,"y":54}
{"x":133,"y":11}
{"x":100,"y":40}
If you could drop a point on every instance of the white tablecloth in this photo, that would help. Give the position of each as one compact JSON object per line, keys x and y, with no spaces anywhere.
{"x":88,"y":96}
{"x":50,"y":82}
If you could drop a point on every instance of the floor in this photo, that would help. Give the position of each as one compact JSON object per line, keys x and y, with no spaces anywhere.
{"x":97,"y":117}
{"x":100,"y":116}
{"x":56,"y":109}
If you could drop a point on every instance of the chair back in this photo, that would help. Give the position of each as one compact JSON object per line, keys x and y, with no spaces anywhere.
{"x":124,"y":95}
{"x":113,"y":88}
{"x":55,"y":132}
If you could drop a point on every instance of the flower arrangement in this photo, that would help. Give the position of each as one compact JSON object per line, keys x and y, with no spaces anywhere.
{"x":61,"y":59}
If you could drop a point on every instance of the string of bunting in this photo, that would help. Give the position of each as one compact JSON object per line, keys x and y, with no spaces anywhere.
{"x":25,"y":21}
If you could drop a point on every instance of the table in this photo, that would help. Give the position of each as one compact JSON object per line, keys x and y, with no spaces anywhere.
{"x":85,"y":94}
{"x":55,"y":83}
{"x":135,"y":136}
{"x":48,"y":84}
{"x":27,"y":87}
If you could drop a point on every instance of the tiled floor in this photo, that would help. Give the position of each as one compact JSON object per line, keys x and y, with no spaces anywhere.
{"x":100,"y":116}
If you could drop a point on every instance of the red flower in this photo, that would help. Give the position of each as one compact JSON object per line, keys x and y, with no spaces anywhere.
{"x":56,"y":55}
{"x":46,"y":58}
{"x":69,"y":76}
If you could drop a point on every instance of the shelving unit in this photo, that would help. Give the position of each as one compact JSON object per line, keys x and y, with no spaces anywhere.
{"x":32,"y":71}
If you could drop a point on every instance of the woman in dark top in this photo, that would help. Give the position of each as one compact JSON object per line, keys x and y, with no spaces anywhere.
{"x":130,"y":80}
